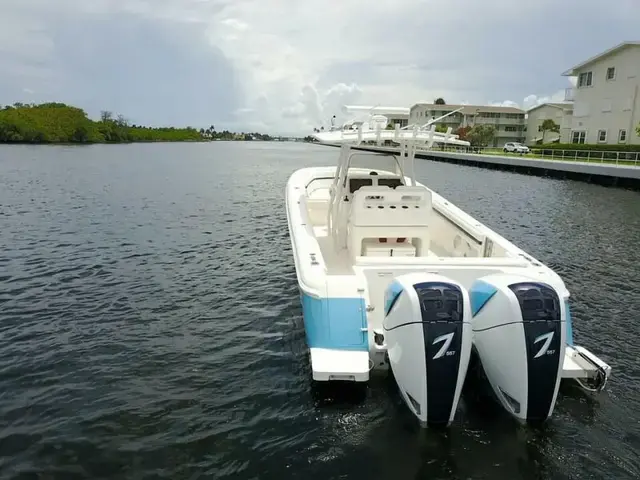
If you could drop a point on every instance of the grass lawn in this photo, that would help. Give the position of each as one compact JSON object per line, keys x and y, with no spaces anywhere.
{"x":570,"y":157}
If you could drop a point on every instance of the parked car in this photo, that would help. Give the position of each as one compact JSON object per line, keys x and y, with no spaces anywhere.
{"x":515,"y":147}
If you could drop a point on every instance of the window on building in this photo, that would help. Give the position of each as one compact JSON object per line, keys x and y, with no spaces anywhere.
{"x":622,"y":136}
{"x":585,"y":79}
{"x":578,"y":136}
{"x":611,"y":73}
{"x":602,"y":136}
{"x":606,"y":105}
{"x":510,"y":128}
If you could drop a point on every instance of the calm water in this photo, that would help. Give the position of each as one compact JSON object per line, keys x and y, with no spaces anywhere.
{"x":150,"y":325}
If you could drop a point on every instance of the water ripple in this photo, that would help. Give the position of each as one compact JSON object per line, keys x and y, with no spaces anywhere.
{"x":150,"y":325}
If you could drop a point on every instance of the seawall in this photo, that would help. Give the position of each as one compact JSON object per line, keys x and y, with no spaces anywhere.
{"x":607,"y":174}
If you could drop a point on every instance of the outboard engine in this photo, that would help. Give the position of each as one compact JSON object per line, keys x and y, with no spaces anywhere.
{"x":519,"y":332}
{"x":427,"y":327}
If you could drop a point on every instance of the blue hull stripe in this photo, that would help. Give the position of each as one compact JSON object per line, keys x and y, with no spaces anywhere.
{"x":569,"y":339}
{"x":391,"y":295}
{"x":335,"y":323}
{"x":479,"y":294}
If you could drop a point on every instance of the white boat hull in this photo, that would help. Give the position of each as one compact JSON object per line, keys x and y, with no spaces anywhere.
{"x":344,"y":268}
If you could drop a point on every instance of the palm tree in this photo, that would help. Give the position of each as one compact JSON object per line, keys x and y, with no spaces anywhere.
{"x":548,"y":125}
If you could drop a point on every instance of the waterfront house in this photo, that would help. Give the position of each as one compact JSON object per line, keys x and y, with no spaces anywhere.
{"x":560,"y":113}
{"x":509,"y":122}
{"x":606,"y":99}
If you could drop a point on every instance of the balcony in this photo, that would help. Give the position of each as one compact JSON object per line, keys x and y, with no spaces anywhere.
{"x":452,"y":119}
{"x":569,"y":94}
{"x":478,"y":120}
{"x":511,"y":121}
{"x":498,"y":121}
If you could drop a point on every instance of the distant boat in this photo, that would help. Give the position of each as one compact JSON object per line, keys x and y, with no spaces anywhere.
{"x":392,"y":275}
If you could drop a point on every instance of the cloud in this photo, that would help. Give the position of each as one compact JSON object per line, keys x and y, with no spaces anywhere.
{"x":151,"y":69}
{"x":286,"y":65}
{"x":505,"y":103}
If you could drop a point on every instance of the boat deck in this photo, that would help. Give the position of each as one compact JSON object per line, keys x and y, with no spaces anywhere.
{"x":338,"y":263}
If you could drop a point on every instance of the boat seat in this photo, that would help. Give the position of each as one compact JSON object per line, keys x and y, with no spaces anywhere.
{"x":317,"y":210}
{"x":383,"y":212}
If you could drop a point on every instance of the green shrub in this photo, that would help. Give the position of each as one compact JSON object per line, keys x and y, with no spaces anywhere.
{"x":584,"y":146}
{"x":60,"y":123}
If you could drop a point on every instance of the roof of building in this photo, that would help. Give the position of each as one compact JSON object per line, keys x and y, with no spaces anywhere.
{"x":396,"y":115}
{"x":380,"y":110}
{"x":470,"y":109}
{"x":572,"y":71}
{"x":563,"y":106}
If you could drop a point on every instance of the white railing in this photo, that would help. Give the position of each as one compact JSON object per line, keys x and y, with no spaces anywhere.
{"x":590,"y":156}
{"x":497,"y":121}
{"x":511,"y":121}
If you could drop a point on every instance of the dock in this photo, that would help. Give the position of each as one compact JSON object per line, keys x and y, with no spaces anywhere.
{"x":601,"y":173}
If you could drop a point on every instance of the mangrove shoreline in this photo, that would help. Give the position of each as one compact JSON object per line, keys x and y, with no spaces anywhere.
{"x":58,"y":123}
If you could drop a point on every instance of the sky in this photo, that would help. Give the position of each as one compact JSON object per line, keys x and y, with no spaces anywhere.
{"x":287,"y":66}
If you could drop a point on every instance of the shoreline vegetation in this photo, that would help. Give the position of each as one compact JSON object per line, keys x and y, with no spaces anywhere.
{"x":58,"y":123}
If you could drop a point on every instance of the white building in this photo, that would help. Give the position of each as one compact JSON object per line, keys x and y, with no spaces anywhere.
{"x":509,"y":122}
{"x":607,"y":97}
{"x":401,"y":119}
{"x":560,"y":113}
{"x":399,"y":115}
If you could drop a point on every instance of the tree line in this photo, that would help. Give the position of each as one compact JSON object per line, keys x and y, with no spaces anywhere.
{"x":61,"y":123}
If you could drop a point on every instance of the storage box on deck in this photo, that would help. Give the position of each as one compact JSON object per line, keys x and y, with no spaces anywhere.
{"x":390,"y":248}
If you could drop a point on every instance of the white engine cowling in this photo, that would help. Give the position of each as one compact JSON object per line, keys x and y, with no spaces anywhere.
{"x":428,"y":334}
{"x":519,"y":332}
